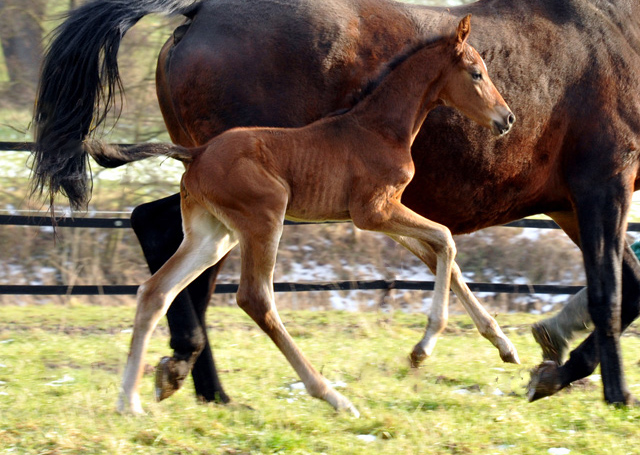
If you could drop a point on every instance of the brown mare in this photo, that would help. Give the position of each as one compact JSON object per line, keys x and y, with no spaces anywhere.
{"x":239,"y":188}
{"x":569,"y":69}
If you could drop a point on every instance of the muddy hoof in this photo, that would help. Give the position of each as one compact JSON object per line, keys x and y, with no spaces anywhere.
{"x":554,"y":348}
{"x":544,"y":382}
{"x":170,"y":375}
{"x":416,"y":358}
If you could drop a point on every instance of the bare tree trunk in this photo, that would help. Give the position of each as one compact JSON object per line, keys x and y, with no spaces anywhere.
{"x":21,"y":39}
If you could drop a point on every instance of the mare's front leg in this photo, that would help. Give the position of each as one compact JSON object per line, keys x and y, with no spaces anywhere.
{"x":259,"y":243}
{"x":158,"y":226}
{"x":206,"y":241}
{"x":613,"y":291}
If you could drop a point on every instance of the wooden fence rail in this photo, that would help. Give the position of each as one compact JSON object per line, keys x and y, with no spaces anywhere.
{"x":226,"y":288}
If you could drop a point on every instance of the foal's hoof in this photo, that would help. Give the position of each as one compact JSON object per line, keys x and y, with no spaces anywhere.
{"x":554,"y":347}
{"x":342,"y":404}
{"x":544,"y":382}
{"x":170,"y":375}
{"x":129,"y":405}
{"x":510,"y":356}
{"x":416,"y":357}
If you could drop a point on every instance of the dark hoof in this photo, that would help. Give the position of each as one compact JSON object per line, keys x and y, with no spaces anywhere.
{"x":170,"y":375}
{"x":544,"y":382}
{"x":510,"y":357}
{"x":627,"y":401}
{"x":416,"y":358}
{"x":218,"y":398}
{"x":554,"y":348}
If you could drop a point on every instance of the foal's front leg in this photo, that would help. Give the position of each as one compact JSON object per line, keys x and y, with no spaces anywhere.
{"x":432,"y":243}
{"x":255,"y":297}
{"x":486,"y":325}
{"x":206,"y":241}
{"x":417,"y":234}
{"x":439,"y":311}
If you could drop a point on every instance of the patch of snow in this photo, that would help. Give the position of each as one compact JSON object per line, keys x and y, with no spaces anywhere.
{"x":63,"y":380}
{"x":367,"y":437}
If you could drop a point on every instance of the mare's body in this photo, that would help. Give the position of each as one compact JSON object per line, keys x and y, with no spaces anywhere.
{"x":568,"y":68}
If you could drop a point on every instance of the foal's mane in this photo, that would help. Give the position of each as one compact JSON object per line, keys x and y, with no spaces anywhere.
{"x":391,"y":65}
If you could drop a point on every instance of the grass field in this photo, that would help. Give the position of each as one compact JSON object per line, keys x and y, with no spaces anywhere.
{"x":60,"y":369}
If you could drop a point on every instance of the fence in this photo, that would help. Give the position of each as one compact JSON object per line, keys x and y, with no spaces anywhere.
{"x":226,"y":288}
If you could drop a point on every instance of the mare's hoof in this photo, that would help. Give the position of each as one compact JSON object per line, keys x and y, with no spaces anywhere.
{"x":219,"y":397}
{"x":170,"y":375}
{"x":626,"y":401}
{"x":544,"y":382}
{"x":554,"y":347}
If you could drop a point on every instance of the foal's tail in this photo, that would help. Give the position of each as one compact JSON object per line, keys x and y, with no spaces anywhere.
{"x":107,"y":155}
{"x":78,"y":84}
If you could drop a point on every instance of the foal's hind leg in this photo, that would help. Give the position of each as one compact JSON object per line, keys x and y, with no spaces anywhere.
{"x":206,"y":241}
{"x":486,"y":325}
{"x":158,"y":226}
{"x":259,"y":244}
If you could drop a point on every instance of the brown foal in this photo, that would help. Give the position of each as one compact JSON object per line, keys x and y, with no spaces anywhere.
{"x":241,"y":186}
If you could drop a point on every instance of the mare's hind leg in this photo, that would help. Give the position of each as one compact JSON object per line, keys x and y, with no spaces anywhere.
{"x":158,"y":226}
{"x":206,"y":241}
{"x":192,"y":351}
{"x":259,"y":244}
{"x":486,"y":325}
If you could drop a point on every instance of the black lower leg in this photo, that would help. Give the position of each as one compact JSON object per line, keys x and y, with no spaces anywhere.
{"x":585,"y":358}
{"x":548,"y":378}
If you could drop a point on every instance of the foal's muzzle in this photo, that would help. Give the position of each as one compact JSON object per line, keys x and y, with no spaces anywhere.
{"x":503,"y":126}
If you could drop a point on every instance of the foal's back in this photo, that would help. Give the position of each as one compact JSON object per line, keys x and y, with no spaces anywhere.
{"x":318,"y":167}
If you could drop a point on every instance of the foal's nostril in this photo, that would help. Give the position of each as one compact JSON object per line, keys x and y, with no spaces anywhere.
{"x":511,"y":119}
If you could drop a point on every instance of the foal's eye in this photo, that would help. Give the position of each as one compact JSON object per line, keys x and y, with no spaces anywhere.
{"x":476,"y":76}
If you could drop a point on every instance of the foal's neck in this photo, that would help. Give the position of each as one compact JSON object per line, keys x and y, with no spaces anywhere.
{"x":399,"y":104}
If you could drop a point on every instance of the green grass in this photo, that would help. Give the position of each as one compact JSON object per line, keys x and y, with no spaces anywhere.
{"x":450,"y":406}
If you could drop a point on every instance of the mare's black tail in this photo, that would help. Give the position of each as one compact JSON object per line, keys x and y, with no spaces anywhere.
{"x":78,"y":84}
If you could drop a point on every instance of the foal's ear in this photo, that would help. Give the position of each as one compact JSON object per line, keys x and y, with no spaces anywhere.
{"x":464,"y":27}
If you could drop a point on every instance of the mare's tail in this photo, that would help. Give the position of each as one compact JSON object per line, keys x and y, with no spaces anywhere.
{"x":110,"y":156}
{"x":78,"y":84}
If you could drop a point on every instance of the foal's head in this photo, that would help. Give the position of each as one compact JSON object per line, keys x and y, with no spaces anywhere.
{"x":469,"y":89}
